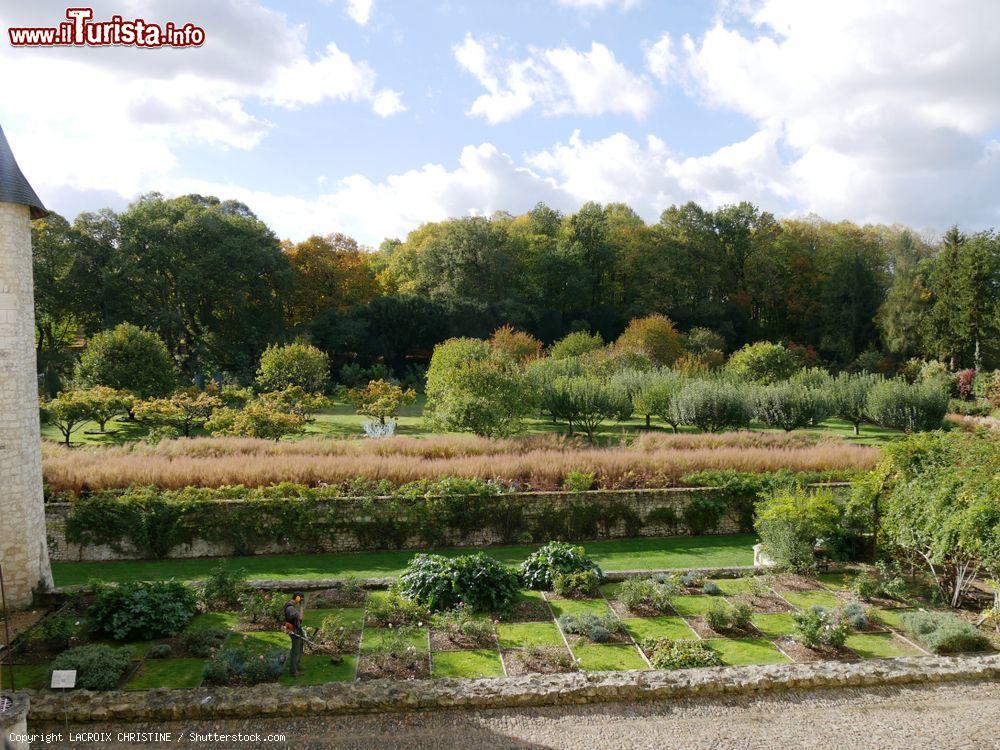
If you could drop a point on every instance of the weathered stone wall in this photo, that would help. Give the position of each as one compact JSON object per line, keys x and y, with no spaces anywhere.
{"x":23,"y":551}
{"x":501,"y":692}
{"x":14,"y":722}
{"x":646,"y":505}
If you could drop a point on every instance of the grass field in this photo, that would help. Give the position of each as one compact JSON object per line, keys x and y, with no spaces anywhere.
{"x":341,"y":421}
{"x":616,"y":554}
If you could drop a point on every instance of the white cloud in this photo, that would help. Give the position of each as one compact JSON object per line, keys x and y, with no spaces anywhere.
{"x":886,"y":111}
{"x":112,"y":119}
{"x":360,"y":10}
{"x":660,"y":58}
{"x":558,"y":81}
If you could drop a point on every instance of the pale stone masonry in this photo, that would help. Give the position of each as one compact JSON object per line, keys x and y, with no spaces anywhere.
{"x":23,"y":551}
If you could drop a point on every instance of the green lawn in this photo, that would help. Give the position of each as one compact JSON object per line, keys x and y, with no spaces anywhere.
{"x":740,"y":651}
{"x":603,"y":657}
{"x":478,"y":663}
{"x":805,"y":599}
{"x":26,"y":675}
{"x":693,"y":605}
{"x":259,"y":643}
{"x":880,"y":646}
{"x":385,"y":639}
{"x":598,"y":607}
{"x":614,"y":554}
{"x":167,"y":673}
{"x":654,"y":628}
{"x":318,"y":669}
{"x":525,"y":634}
{"x":774,"y":625}
{"x":349,"y":617}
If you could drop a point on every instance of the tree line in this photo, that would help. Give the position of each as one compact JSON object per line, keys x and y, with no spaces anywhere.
{"x":218,"y":286}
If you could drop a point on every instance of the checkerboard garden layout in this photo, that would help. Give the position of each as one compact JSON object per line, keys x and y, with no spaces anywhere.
{"x":529,"y":639}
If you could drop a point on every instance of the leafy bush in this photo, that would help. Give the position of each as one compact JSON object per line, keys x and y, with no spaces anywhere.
{"x":581,"y":584}
{"x":142,"y":610}
{"x":394,"y":611}
{"x":462,"y":621}
{"x":657,"y":397}
{"x":670,"y":654}
{"x":56,"y":632}
{"x":539,"y":569}
{"x":337,"y":633}
{"x":654,"y":336}
{"x":638,"y":593}
{"x":598,"y":629}
{"x":479,"y":581}
{"x":722,"y":616}
{"x":712,"y":405}
{"x":127,"y":358}
{"x":224,"y":587}
{"x":576,"y":344}
{"x":301,"y":365}
{"x":881,"y":582}
{"x":856,"y":615}
{"x":820,"y":628}
{"x":849,"y":397}
{"x":759,"y":587}
{"x":711,"y":588}
{"x":98,"y":667}
{"x":262,"y":607}
{"x":913,"y":408}
{"x":235,"y":666}
{"x":160,"y":651}
{"x":578,"y":481}
{"x":692,"y":579}
{"x":790,"y":405}
{"x":203,"y":641}
{"x":762,"y":362}
{"x":944,"y":633}
{"x":791,"y":522}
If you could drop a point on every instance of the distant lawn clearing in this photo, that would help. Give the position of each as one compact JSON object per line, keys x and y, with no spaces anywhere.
{"x":617,"y":554}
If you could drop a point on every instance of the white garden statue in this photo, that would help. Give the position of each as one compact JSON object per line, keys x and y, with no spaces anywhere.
{"x":760,"y":558}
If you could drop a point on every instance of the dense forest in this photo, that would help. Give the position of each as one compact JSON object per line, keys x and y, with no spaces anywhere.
{"x":218,"y":286}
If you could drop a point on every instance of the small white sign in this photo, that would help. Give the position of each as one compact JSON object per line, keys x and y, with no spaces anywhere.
{"x":63,"y":678}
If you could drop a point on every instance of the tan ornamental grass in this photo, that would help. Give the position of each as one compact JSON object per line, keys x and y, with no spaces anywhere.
{"x":538,"y":462}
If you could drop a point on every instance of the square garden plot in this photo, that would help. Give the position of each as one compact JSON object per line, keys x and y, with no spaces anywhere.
{"x":774,"y":625}
{"x":880,"y":646}
{"x":477,"y":663}
{"x":731,"y":586}
{"x":597,"y":607}
{"x":167,"y":673}
{"x":692,"y":605}
{"x":529,"y":606}
{"x":840,"y":580}
{"x":350,"y":617}
{"x":805,"y":599}
{"x":603,"y":657}
{"x":382,"y":640}
{"x":318,"y":669}
{"x":525,"y":634}
{"x":654,"y":628}
{"x":260,"y":643}
{"x":893,"y":618}
{"x":743,"y":651}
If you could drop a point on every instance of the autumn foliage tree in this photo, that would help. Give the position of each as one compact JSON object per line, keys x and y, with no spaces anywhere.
{"x":654,"y":336}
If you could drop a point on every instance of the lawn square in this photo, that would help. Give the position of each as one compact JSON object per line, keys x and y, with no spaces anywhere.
{"x":654,"y":628}
{"x":213,"y":620}
{"x":774,"y":625}
{"x":317,"y":669}
{"x":478,"y":663}
{"x":741,"y":651}
{"x":382,"y":639}
{"x":525,"y":634}
{"x":597,"y":607}
{"x":260,"y":643}
{"x":167,"y":673}
{"x":27,"y":676}
{"x":806,"y":599}
{"x":692,"y":606}
{"x":840,"y":580}
{"x":880,"y":646}
{"x":891,"y":617}
{"x":731,"y":586}
{"x":350,"y":617}
{"x":610,"y":590}
{"x":603,"y":657}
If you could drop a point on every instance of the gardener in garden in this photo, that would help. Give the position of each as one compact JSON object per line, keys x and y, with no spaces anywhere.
{"x":294,"y":609}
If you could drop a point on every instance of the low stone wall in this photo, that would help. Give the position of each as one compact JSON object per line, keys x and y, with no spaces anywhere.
{"x":536,"y":690}
{"x":600,"y":514}
{"x":14,"y":722}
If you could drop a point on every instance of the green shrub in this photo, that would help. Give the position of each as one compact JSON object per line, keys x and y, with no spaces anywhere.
{"x":337,"y":633}
{"x":462,"y":621}
{"x":914,"y":408}
{"x":235,"y":666}
{"x":692,"y":579}
{"x":479,"y":581}
{"x":856,"y":616}
{"x":790,"y":405}
{"x":56,"y":632}
{"x":539,"y":569}
{"x":713,"y":405}
{"x":762,"y":362}
{"x":299,"y":365}
{"x":263,"y":607}
{"x":223,"y":587}
{"x":670,"y":654}
{"x":722,"y":616}
{"x":791,"y":522}
{"x":711,"y":588}
{"x":576,"y":585}
{"x":203,"y":641}
{"x":142,"y":610}
{"x":820,"y":628}
{"x":98,"y":667}
{"x":944,"y":633}
{"x":160,"y":651}
{"x":578,"y":481}
{"x":881,"y":582}
{"x":395,"y":611}
{"x":636,"y":594}
{"x":597,"y":629}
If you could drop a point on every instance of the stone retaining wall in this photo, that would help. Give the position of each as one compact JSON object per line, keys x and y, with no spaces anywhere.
{"x":654,"y":513}
{"x":536,"y":690}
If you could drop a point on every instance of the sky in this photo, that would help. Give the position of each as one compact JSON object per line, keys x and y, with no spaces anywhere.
{"x":370,"y":117}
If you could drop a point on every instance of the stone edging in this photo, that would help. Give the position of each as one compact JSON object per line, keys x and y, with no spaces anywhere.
{"x":535,"y":690}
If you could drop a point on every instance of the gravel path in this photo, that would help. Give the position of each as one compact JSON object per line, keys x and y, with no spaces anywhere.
{"x":942,"y":717}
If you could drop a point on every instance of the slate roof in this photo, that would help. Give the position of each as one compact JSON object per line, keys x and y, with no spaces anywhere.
{"x":13,"y":187}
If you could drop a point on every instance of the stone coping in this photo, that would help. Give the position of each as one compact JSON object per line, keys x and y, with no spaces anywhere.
{"x":534,"y":690}
{"x":17,"y":711}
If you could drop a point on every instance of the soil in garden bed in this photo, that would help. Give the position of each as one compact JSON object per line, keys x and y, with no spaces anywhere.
{"x":444,"y":640}
{"x":704,"y":630}
{"x":793,"y":582}
{"x":522,"y":661}
{"x":640,"y":611}
{"x":527,"y":610}
{"x":393,"y":667}
{"x":338,"y":596}
{"x":616,"y":638}
{"x":764,"y":605}
{"x":801,"y":653}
